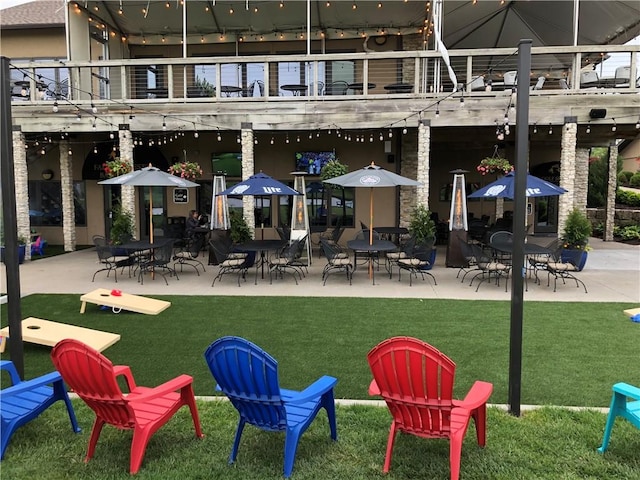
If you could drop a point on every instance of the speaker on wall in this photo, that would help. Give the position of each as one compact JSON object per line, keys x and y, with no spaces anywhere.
{"x":598,"y":113}
{"x":391,"y":158}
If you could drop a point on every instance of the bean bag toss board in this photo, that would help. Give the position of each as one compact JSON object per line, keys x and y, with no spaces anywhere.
{"x":632,"y":312}
{"x":45,"y":332}
{"x":124,"y":301}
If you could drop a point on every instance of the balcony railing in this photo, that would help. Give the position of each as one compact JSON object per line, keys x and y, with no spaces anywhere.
{"x":380,"y":75}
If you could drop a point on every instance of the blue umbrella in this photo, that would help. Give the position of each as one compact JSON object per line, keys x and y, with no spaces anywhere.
{"x":504,"y":188}
{"x":259,"y":184}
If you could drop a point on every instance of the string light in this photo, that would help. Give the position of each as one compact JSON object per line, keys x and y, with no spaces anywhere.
{"x":614,"y":127}
{"x":164,"y":123}
{"x":390,"y":133}
{"x":550,"y":129}
{"x":535,"y":128}
{"x":638,"y":124}
{"x":55,"y":107}
{"x":588,"y":130}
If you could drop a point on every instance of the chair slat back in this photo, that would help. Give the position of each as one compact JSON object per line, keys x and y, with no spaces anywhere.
{"x":416,"y":381}
{"x":249,"y":377}
{"x":91,"y":375}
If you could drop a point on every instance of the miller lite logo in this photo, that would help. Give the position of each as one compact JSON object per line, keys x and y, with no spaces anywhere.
{"x":370,"y":180}
{"x":239,"y":190}
{"x":495,"y":190}
{"x":272,"y":190}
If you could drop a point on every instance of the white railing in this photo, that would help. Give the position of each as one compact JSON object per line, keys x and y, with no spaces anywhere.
{"x":321,"y":77}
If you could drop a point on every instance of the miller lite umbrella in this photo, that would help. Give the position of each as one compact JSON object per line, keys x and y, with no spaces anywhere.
{"x":504,"y":188}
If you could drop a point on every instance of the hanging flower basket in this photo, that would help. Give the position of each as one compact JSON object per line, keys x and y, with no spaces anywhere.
{"x":187,"y":170}
{"x":116,"y":167}
{"x":492,"y":165}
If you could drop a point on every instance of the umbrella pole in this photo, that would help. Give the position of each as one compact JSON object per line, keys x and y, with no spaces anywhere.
{"x":370,"y":230}
{"x":153,"y":271}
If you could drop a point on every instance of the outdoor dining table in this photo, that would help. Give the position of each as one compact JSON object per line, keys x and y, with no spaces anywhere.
{"x":371,"y":249}
{"x":262,"y":246}
{"x":530,"y":250}
{"x":229,"y":90}
{"x":295,"y":88}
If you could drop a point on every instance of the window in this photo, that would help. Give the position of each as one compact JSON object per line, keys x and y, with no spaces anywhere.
{"x":45,"y":203}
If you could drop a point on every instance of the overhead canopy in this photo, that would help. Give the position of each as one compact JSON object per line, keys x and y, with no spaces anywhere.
{"x":466,"y":24}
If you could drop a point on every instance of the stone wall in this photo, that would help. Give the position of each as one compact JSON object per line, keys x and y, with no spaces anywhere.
{"x":622,"y":216}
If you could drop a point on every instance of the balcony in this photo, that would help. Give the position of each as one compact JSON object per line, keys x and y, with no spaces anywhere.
{"x":345,"y":90}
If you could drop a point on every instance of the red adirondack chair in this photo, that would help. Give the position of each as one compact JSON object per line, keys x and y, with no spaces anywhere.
{"x":144,"y":410}
{"x":416,"y":382}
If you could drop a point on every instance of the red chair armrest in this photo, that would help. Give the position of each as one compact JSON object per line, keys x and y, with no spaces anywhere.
{"x":171,"y":386}
{"x":477,"y":396}
{"x":125,"y":370}
{"x":373,"y":388}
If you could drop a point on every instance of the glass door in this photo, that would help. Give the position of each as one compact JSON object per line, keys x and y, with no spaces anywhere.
{"x":158,"y":208}
{"x":546,"y":215}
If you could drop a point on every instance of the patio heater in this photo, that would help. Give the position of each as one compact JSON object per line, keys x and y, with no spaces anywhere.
{"x":300,"y":214}
{"x":219,"y":204}
{"x":457,"y":221}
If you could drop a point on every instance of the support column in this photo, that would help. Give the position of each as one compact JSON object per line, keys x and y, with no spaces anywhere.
{"x":424,"y":154}
{"x":248,"y":169}
{"x":22,"y":189}
{"x":567,"y":170}
{"x":582,"y":179}
{"x":127,"y":195}
{"x":610,"y":204}
{"x":68,"y":206}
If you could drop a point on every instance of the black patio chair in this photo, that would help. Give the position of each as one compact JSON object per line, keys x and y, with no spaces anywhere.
{"x":404,"y":251}
{"x":420,"y":261}
{"x":109,"y":262}
{"x":228,"y":261}
{"x":284,"y":262}
{"x":339,"y":87}
{"x":488,"y":266}
{"x":337,"y":260}
{"x":188,"y":253}
{"x":569,"y":264}
{"x":159,"y":262}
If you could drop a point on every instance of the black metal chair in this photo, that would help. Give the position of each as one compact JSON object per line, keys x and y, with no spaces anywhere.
{"x":337,"y":260}
{"x":284,"y":262}
{"x":188,"y":253}
{"x":339,"y":87}
{"x":569,"y":263}
{"x":420,"y":261}
{"x":159,"y":262}
{"x":488,"y":266}
{"x":109,"y":262}
{"x":228,"y":261}
{"x":404,"y":251}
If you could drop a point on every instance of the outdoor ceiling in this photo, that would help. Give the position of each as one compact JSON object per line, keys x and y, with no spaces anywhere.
{"x":466,"y":24}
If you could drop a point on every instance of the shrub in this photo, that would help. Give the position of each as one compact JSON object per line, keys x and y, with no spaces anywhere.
{"x":625,"y":197}
{"x":123,"y":228}
{"x":630,"y":232}
{"x":421,"y":226}
{"x":624,"y":177}
{"x":634,"y":181}
{"x":577,"y":231}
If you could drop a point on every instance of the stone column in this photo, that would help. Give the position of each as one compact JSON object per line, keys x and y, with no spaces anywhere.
{"x":22,"y":188}
{"x":567,"y":170}
{"x":127,"y":195}
{"x":408,"y":168}
{"x":68,"y":207}
{"x":610,"y":204}
{"x":423,"y":165}
{"x":248,"y":169}
{"x":582,"y":179}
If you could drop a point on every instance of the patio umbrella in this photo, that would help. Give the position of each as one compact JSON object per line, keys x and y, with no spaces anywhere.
{"x":372,"y":176}
{"x":149,"y":177}
{"x":259,"y":184}
{"x":504,"y":188}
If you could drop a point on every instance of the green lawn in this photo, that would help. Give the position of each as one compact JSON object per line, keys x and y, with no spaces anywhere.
{"x":548,"y":444}
{"x":572,"y":352}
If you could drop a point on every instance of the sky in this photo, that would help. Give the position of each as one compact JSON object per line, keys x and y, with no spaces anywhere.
{"x":11,"y":3}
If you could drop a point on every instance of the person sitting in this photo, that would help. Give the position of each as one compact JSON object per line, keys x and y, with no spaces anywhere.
{"x":193,"y":223}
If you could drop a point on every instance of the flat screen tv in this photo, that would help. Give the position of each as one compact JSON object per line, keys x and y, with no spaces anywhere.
{"x":312,"y":162}
{"x":228,"y":163}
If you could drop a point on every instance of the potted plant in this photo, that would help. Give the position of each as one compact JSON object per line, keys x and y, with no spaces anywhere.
{"x":423,"y":229}
{"x":187,"y":170}
{"x":122,"y":229}
{"x":577,"y":231}
{"x":240,"y":233}
{"x":490,"y":165}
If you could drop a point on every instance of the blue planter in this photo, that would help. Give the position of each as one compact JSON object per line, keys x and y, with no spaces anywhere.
{"x":21,"y":253}
{"x":577,"y":257}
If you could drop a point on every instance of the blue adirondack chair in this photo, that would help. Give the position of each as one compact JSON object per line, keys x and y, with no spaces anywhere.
{"x":622,"y":408}
{"x":249,"y":377}
{"x":25,"y":400}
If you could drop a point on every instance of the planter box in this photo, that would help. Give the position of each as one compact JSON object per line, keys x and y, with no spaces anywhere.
{"x":579,"y":257}
{"x":21,"y":253}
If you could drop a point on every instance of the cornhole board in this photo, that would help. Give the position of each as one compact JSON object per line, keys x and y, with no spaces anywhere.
{"x":45,"y":332}
{"x":631,"y":312}
{"x":126,"y":301}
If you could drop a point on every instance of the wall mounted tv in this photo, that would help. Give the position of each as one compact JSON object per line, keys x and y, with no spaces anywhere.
{"x":228,"y":163}
{"x":312,"y":162}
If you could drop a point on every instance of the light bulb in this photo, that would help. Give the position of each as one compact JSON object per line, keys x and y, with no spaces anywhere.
{"x":55,"y":107}
{"x":196,"y":134}
{"x":390,"y":133}
{"x":501,"y":136}
{"x":404,"y":131}
{"x":219,"y":137}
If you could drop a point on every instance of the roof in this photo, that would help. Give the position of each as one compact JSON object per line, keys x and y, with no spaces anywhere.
{"x":36,"y":14}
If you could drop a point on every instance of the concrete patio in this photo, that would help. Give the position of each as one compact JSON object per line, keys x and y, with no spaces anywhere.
{"x":612,"y":274}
